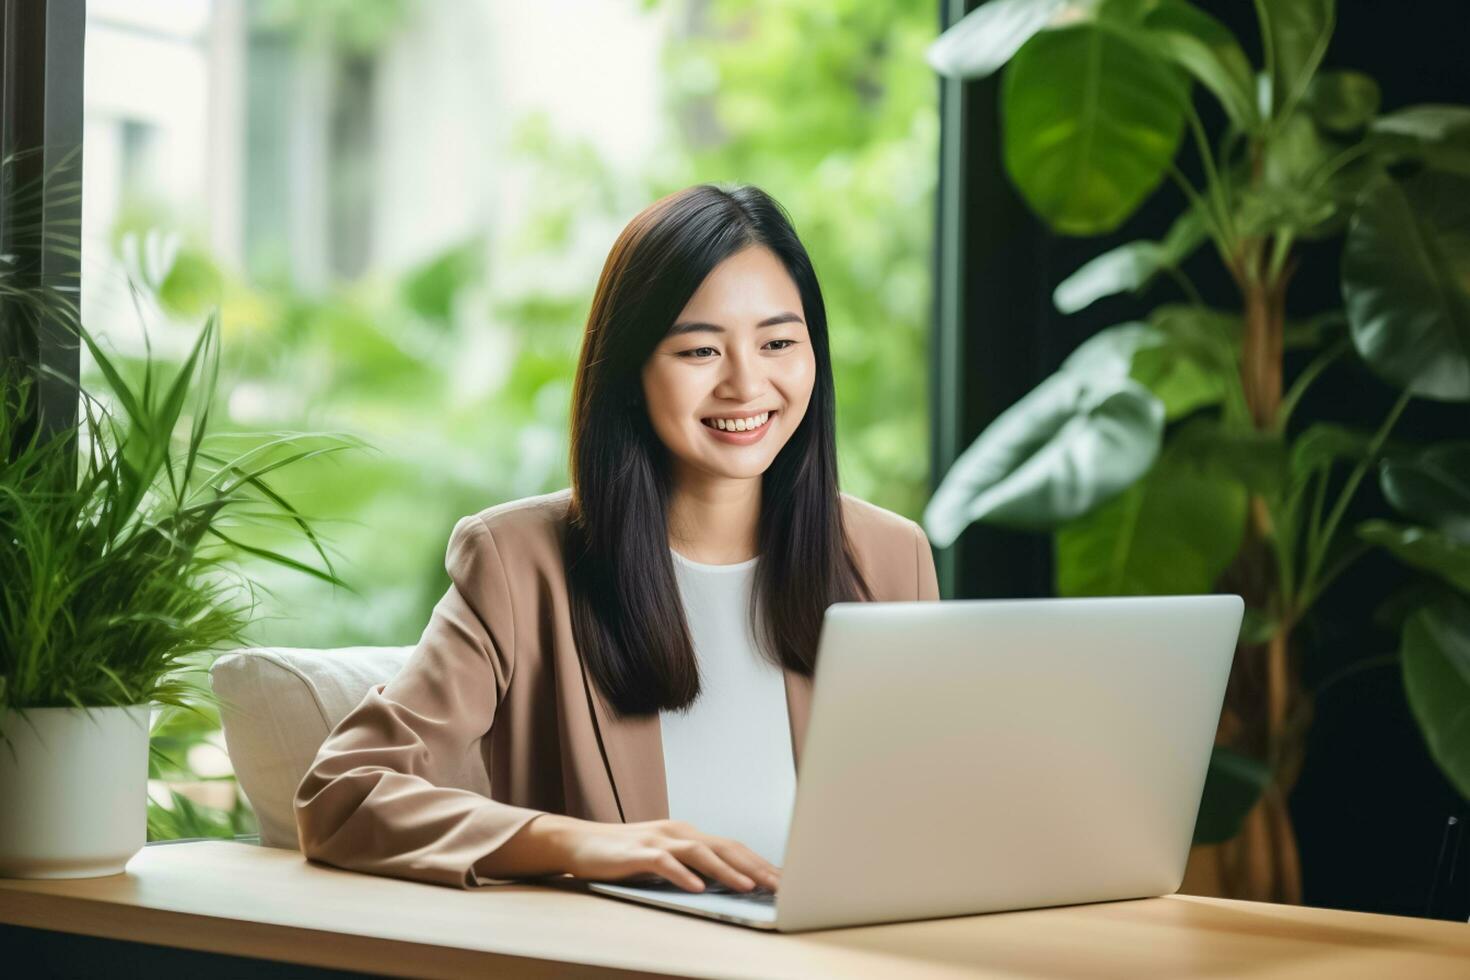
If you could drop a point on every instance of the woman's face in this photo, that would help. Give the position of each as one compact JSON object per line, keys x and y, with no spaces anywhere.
{"x":739,"y":350}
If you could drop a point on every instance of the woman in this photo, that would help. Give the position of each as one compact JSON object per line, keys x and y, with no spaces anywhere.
{"x":554,"y":717}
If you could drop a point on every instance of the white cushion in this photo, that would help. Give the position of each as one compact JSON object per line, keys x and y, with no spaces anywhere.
{"x":278,"y":705}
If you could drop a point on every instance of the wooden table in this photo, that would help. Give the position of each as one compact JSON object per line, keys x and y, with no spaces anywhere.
{"x":244,"y":900}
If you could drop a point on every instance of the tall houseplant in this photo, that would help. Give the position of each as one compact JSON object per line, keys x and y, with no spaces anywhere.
{"x":1165,"y":453}
{"x":117,"y":568}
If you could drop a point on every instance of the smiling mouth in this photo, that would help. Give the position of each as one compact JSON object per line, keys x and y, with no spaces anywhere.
{"x":749,"y":424}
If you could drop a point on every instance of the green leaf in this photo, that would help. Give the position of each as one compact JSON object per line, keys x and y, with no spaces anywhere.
{"x":1342,"y":101}
{"x":1122,"y":269}
{"x":1204,"y":47}
{"x":1233,"y":784}
{"x":1211,"y":336}
{"x":1322,"y":444}
{"x":1288,"y":194}
{"x":988,"y":36}
{"x":1432,"y":486}
{"x":1436,"y":663}
{"x":1299,"y":32}
{"x":1172,"y":533}
{"x":1108,"y":354}
{"x":1091,"y":124}
{"x":1066,"y":447}
{"x":1430,"y":551}
{"x":1254,"y":460}
{"x":1436,"y":135}
{"x":1129,"y":267}
{"x":1406,"y":283}
{"x":1177,"y":379}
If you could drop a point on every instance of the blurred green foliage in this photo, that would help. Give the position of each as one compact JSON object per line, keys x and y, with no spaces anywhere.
{"x":459,"y":371}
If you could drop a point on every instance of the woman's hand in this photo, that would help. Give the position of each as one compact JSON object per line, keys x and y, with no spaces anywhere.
{"x":669,"y":849}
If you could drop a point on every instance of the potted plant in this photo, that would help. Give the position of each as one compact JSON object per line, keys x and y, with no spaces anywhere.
{"x":118,"y":537}
{"x":1167,"y":454}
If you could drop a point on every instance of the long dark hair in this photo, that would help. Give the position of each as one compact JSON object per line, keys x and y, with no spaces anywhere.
{"x":627,"y":618}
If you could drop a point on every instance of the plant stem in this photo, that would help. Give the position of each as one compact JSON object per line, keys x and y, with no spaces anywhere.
{"x":1217,"y":233}
{"x":1179,"y":277}
{"x":1349,"y":488}
{"x":1304,"y":380}
{"x":1280,"y":249}
{"x":1212,"y":173}
{"x":1353,"y":553}
{"x":1319,"y":176}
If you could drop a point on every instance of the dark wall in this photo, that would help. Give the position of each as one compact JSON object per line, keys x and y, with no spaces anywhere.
{"x":1370,"y":806}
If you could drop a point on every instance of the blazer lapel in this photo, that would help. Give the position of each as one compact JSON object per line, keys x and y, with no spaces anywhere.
{"x":633,"y":749}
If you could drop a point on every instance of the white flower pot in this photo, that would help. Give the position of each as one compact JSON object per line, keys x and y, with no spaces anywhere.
{"x":73,"y":790}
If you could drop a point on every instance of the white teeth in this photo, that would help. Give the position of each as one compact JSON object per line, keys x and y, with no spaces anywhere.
{"x":741,"y":425}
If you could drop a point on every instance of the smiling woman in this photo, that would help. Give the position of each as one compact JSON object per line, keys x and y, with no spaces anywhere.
{"x":731,"y":327}
{"x":598,"y":645}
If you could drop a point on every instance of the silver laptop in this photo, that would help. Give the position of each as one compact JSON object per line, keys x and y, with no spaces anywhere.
{"x":982,"y":755}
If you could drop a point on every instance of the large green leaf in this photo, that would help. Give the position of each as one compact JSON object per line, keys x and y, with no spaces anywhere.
{"x":1300,"y":31}
{"x":1425,"y":549}
{"x":1201,"y":45}
{"x":1436,"y":664}
{"x":1233,"y":784}
{"x":1091,"y":124}
{"x":1406,"y":283}
{"x":1432,"y":486}
{"x":1131,"y":266}
{"x":988,"y":36}
{"x":1063,"y":449}
{"x":1172,"y":533}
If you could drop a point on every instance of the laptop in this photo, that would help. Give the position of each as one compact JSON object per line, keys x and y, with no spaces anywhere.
{"x":984,"y":755}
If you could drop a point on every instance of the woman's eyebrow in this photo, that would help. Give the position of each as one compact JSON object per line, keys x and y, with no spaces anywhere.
{"x":695,"y":326}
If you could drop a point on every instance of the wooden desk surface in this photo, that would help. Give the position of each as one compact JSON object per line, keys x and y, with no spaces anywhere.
{"x":246,"y":900}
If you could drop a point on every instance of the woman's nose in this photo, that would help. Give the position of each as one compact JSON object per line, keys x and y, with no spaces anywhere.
{"x":744,"y":379}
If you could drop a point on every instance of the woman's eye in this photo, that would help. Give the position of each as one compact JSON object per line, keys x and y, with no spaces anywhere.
{"x":700,"y":352}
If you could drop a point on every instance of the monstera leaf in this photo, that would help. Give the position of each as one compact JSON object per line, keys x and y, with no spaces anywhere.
{"x":1171,"y":533}
{"x":1406,"y":283}
{"x":1428,"y":550}
{"x":1075,"y":441}
{"x":1436,"y":666}
{"x":1432,"y":486}
{"x":1091,"y":124}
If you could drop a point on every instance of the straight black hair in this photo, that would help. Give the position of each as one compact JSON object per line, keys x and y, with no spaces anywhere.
{"x":627,"y":618}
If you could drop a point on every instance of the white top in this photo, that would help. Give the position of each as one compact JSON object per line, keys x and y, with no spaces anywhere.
{"x":727,"y":757}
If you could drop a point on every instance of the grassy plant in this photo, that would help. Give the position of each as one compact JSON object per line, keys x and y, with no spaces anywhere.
{"x":120,"y":534}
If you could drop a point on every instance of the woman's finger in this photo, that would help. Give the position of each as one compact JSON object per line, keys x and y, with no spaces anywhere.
{"x":752,"y":864}
{"x":667,"y":866}
{"x":702,"y":857}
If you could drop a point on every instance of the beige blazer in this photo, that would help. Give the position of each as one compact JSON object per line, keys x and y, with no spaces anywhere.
{"x":493,"y":719}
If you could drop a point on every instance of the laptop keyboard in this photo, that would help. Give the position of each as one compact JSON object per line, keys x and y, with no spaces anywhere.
{"x":760,"y":895}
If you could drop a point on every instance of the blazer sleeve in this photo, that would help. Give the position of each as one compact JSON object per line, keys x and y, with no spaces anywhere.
{"x":928,"y":577}
{"x":376,"y":798}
